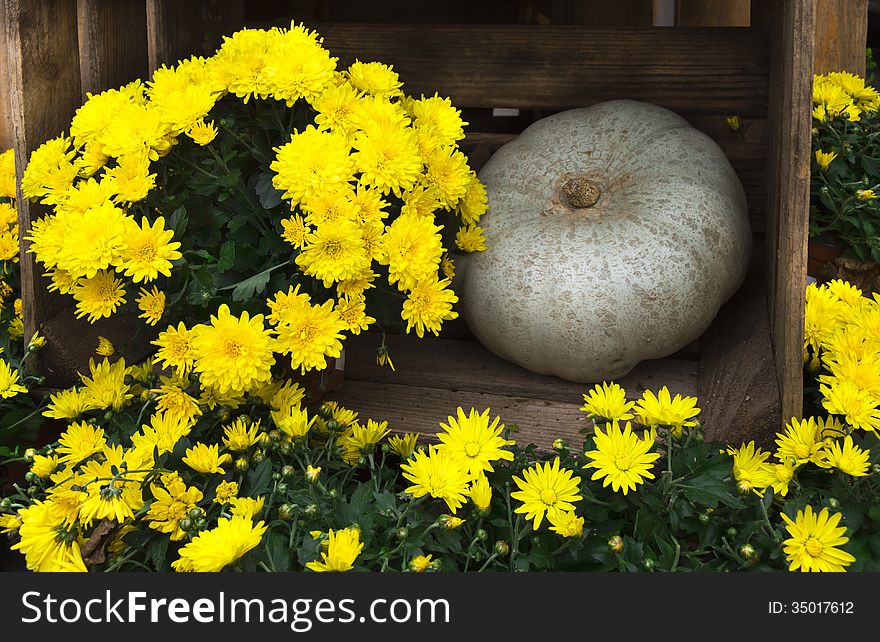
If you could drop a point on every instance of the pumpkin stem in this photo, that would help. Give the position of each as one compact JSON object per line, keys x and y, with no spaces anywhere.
{"x":581,"y":192}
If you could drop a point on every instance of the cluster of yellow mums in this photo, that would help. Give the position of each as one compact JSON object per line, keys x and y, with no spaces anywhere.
{"x":368,"y":143}
{"x":842,"y":95}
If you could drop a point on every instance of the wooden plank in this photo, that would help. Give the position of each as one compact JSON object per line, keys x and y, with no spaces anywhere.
{"x":6,"y":136}
{"x":841,"y":36}
{"x":174,"y":31}
{"x":788,"y":216}
{"x":417,"y":409}
{"x":713,"y":13}
{"x":738,"y":388}
{"x":696,"y":71}
{"x":43,"y":56}
{"x":465,"y":365}
{"x":113,"y":42}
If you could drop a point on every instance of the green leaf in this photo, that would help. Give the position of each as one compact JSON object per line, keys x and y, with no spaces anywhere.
{"x":266,"y":192}
{"x":258,"y":479}
{"x":278,"y":551}
{"x":249,"y":288}
{"x":227,"y":256}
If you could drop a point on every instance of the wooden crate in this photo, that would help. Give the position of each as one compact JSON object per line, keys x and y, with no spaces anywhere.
{"x":746,"y":369}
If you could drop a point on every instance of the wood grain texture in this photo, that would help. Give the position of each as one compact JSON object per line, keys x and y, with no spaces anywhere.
{"x":791,"y":73}
{"x":841,"y":36}
{"x":113,"y":43}
{"x":739,"y":394}
{"x":174,"y":31}
{"x":45,"y":91}
{"x":6,"y":135}
{"x":697,"y":71}
{"x":417,"y":409}
{"x":713,"y":13}
{"x":465,"y":365}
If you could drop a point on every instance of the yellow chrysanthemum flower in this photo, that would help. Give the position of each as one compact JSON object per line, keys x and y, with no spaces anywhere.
{"x":342,"y":548}
{"x":211,"y":551}
{"x":848,"y":458}
{"x":480,"y":493}
{"x":99,"y":296}
{"x":46,"y":541}
{"x":151,"y":303}
{"x":403,"y":444}
{"x":352,"y":312}
{"x":475,"y":442}
{"x":241,"y":434}
{"x":420,"y":563}
{"x":113,"y":485}
{"x":175,"y":349}
{"x":43,"y":465}
{"x":163,"y":433}
{"x":622,"y":458}
{"x":295,"y":231}
{"x":311,"y":336}
{"x":149,"y":251}
{"x":132,"y":179}
{"x":313,"y":161}
{"x":206,"y":459}
{"x":470,"y":239}
{"x":822,"y":315}
{"x":608,"y":402}
{"x":428,"y":305}
{"x":106,"y":387}
{"x":473,"y":204}
{"x":749,"y":468}
{"x":7,"y":174}
{"x":233,"y":353}
{"x":335,"y":108}
{"x":546,"y":489}
{"x":334,"y":252}
{"x":814,"y":541}
{"x":437,"y":474}
{"x":859,"y":408}
{"x":387,"y":157}
{"x":226,"y":491}
{"x":801,"y":440}
{"x":247,"y":507}
{"x":174,"y":400}
{"x":66,"y":404}
{"x":823,"y":159}
{"x":358,"y":438}
{"x":9,"y":386}
{"x":375,"y":78}
{"x":566,"y":523}
{"x":172,"y":502}
{"x":202,"y":133}
{"x":448,"y":172}
{"x":105,"y":347}
{"x":293,"y":420}
{"x":662,"y":409}
{"x":50,"y":171}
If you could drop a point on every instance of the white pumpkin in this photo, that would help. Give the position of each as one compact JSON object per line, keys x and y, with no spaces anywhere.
{"x":615,"y":233}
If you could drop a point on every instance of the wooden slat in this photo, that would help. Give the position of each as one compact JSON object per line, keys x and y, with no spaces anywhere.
{"x":738,"y":389}
{"x":45,"y":91}
{"x":841,"y":35}
{"x":173,"y":31}
{"x":465,"y":365}
{"x":113,"y":42}
{"x":713,"y":13}
{"x":788,"y":217}
{"x":416,"y":409}
{"x":698,"y":71}
{"x":6,"y":140}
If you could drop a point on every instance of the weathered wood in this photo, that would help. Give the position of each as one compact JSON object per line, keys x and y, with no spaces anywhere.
{"x":45,"y":90}
{"x":173,"y":31}
{"x":113,"y":43}
{"x":6,"y":135}
{"x":693,"y":71}
{"x":791,"y":73}
{"x":465,"y":365}
{"x":739,"y":395}
{"x":713,"y":13}
{"x":841,"y":36}
{"x":415,"y":409}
